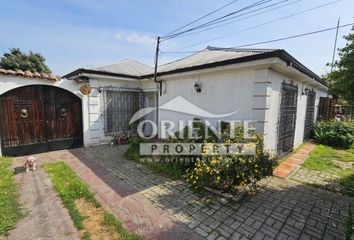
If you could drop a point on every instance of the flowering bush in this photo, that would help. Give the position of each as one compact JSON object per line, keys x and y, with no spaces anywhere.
{"x":335,"y":133}
{"x":227,"y":172}
{"x":124,"y":136}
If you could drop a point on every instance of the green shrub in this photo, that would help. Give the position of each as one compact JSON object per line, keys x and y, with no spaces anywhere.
{"x":221,"y":172}
{"x":132,"y":152}
{"x":224,"y":172}
{"x":335,"y":133}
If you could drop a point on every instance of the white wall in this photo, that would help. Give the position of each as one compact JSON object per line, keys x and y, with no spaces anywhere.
{"x":255,"y":91}
{"x":222,"y":92}
{"x":276,"y":80}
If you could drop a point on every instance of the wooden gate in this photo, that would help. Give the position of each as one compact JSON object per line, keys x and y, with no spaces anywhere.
{"x":287,"y":119}
{"x":310,"y":114}
{"x":39,"y":118}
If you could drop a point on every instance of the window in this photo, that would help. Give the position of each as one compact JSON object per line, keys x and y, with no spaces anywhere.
{"x":119,"y":105}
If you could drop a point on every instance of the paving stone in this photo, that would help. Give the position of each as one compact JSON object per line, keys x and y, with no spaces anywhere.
{"x":213,"y":236}
{"x":235,"y":236}
{"x":281,"y":208}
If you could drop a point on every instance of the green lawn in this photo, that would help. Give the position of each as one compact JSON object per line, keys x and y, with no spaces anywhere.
{"x":10,"y":210}
{"x":324,"y":158}
{"x":338,"y":162}
{"x":73,"y":191}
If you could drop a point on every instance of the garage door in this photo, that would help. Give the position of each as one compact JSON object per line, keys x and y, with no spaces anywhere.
{"x":39,"y":118}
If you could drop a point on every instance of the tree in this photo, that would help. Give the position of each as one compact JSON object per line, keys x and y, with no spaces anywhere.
{"x":16,"y":60}
{"x":341,"y":79}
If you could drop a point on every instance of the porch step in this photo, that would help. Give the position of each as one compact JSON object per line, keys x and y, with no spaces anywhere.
{"x":294,"y":161}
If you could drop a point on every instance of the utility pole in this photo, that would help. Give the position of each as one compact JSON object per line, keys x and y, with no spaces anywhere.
{"x":335,"y":45}
{"x":157,"y":62}
{"x":155,"y":79}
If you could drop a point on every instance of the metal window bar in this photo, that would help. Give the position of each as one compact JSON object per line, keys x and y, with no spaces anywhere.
{"x":310,"y":112}
{"x":287,"y":119}
{"x":119,"y":105}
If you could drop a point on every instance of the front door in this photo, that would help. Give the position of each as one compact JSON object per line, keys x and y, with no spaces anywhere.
{"x":39,"y":118}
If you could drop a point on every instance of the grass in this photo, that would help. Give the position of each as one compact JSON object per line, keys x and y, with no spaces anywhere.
{"x":10,"y":209}
{"x":83,"y":208}
{"x":174,"y":170}
{"x":332,"y":160}
{"x":323,"y":158}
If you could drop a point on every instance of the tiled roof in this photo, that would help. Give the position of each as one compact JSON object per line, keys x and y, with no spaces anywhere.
{"x":29,"y":74}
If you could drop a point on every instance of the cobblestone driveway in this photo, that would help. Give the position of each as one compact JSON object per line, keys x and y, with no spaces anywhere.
{"x":282,"y":209}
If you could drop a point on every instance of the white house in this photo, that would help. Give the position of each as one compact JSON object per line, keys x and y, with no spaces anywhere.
{"x":268,"y":86}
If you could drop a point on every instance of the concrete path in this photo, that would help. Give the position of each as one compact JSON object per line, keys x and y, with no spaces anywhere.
{"x":160,"y":208}
{"x":293,"y":162}
{"x":137,"y":213}
{"x":46,"y":216}
{"x":282,"y":209}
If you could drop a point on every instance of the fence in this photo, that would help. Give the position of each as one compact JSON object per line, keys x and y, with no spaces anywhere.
{"x":329,"y":109}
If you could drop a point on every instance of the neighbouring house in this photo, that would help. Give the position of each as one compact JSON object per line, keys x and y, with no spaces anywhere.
{"x":89,"y":105}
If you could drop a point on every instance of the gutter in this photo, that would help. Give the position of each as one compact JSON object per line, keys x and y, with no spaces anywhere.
{"x":90,"y":71}
{"x":282,"y":54}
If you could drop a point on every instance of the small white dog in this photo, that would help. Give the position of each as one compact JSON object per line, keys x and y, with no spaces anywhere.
{"x":30,"y":163}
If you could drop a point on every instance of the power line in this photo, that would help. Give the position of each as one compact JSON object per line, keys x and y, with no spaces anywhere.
{"x":253,"y":15}
{"x":296,"y":36}
{"x":276,"y":40}
{"x":260,"y":25}
{"x":200,"y":18}
{"x":217,"y":19}
{"x":214,"y":20}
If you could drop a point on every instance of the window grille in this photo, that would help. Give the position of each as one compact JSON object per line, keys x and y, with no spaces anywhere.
{"x":287,"y":119}
{"x":119,"y":105}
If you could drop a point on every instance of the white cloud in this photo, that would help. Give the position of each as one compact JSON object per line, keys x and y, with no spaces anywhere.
{"x":135,"y":37}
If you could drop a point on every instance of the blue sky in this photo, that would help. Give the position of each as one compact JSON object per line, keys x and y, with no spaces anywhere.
{"x":74,"y":33}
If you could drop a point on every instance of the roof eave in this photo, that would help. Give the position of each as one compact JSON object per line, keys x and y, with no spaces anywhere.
{"x":217,"y":64}
{"x":280,"y":53}
{"x":81,"y":71}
